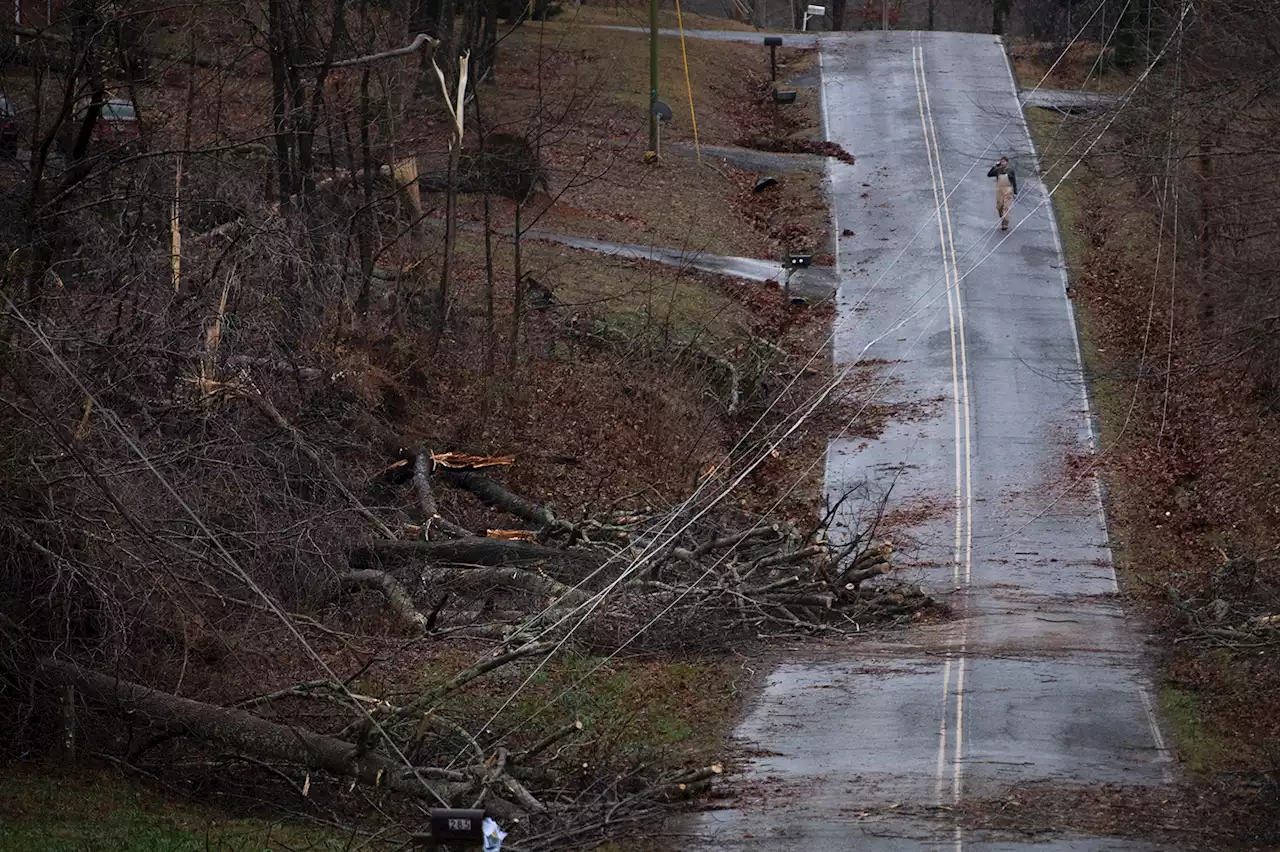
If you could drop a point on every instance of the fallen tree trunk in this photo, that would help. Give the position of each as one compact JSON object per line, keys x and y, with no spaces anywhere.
{"x":514,"y":579}
{"x":497,"y":496}
{"x":855,"y":578}
{"x":242,"y":731}
{"x":487,"y":552}
{"x":398,"y":599}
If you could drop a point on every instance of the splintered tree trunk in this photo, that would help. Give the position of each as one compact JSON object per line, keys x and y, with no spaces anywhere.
{"x":450,"y":238}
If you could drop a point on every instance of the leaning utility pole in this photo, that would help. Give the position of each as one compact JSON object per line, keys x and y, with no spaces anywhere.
{"x":653,"y":76}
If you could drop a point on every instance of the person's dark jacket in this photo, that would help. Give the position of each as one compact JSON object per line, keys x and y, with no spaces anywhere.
{"x":998,"y":169}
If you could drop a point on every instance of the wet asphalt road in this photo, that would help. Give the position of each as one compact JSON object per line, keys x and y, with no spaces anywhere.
{"x":967,"y":330}
{"x":812,"y":282}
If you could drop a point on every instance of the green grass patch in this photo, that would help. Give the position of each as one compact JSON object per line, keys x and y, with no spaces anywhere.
{"x":604,"y":189}
{"x":633,"y":708}
{"x":98,"y":811}
{"x":1200,"y":749}
{"x":628,"y":13}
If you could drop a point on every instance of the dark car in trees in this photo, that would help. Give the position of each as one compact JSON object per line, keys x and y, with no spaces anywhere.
{"x":116,"y":126}
{"x":10,"y":129}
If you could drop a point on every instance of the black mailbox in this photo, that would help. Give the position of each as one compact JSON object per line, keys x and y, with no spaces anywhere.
{"x":773,"y":43}
{"x":457,"y":825}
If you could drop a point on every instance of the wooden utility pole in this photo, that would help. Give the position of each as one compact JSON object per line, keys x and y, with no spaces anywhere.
{"x":653,"y":76}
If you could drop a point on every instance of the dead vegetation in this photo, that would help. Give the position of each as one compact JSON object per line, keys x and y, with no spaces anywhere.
{"x":332,"y":492}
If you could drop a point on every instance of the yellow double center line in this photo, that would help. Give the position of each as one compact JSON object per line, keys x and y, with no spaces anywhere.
{"x":951,"y":730}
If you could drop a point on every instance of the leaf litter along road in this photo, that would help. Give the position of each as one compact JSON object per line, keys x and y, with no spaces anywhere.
{"x":1037,"y":689}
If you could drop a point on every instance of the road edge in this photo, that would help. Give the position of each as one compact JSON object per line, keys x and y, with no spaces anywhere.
{"x":1092,"y":418}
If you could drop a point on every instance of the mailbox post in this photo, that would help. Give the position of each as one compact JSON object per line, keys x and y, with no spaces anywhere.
{"x":462,"y":828}
{"x":773,"y":43}
{"x":812,"y":12}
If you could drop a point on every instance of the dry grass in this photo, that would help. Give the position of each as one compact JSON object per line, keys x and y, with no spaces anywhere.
{"x":1077,"y":68}
{"x":636,"y":14}
{"x":584,"y":92}
{"x":593,"y":419}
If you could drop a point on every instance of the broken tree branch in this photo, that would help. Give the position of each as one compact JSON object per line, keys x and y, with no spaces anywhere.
{"x":496,"y":496}
{"x":427,"y":499}
{"x":516,"y":579}
{"x":724,"y":542}
{"x":398,"y":599}
{"x":548,"y":741}
{"x":854,"y":578}
{"x":413,"y":47}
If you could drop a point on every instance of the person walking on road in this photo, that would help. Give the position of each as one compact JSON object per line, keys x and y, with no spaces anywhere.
{"x":1006,"y":189}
